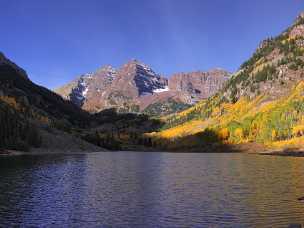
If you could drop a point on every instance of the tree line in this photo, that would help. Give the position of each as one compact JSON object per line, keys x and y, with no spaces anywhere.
{"x":16,"y":133}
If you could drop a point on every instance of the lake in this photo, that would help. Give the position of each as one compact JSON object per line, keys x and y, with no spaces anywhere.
{"x":131,"y":189}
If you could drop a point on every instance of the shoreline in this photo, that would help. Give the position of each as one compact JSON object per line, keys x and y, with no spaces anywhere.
{"x":284,"y":153}
{"x":241,"y":148}
{"x":10,"y":153}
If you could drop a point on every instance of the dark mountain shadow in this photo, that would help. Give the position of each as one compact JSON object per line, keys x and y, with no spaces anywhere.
{"x":206,"y":141}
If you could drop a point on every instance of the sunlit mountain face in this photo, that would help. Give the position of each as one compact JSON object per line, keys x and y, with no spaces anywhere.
{"x":135,"y":87}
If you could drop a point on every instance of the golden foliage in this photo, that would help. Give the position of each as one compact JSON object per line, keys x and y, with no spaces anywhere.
{"x":188,"y":128}
{"x":290,"y":143}
{"x":239,"y":133}
{"x":273,"y":135}
{"x":273,"y":122}
{"x":224,"y":133}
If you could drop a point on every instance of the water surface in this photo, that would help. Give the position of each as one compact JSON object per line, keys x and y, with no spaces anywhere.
{"x":125,"y":189}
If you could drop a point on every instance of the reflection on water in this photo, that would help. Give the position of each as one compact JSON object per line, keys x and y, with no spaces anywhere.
{"x":151,"y":190}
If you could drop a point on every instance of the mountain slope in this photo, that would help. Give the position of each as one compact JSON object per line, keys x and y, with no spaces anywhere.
{"x":13,"y":84}
{"x":136,"y":87}
{"x":262,"y":102}
{"x":85,"y":90}
{"x":31,"y":115}
{"x":110,"y":88}
{"x":37,"y":119}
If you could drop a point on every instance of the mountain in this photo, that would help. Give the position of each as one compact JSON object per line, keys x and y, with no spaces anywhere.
{"x":16,"y":84}
{"x":33,"y":116}
{"x":133,"y":81}
{"x":274,"y":68}
{"x":198,"y":85}
{"x":110,"y":88}
{"x":263,"y":102}
{"x":184,"y":90}
{"x":37,"y":119}
{"x":87,"y":87}
{"x":135,"y":87}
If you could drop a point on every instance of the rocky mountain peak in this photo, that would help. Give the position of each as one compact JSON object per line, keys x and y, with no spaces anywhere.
{"x":107,"y":69}
{"x":135,"y":62}
{"x":135,"y":85}
{"x":137,"y":79}
{"x":137,"y":65}
{"x":106,"y":73}
{"x":140,"y":66}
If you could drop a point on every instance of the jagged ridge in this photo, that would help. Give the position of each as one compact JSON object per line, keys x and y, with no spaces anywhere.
{"x":135,"y":87}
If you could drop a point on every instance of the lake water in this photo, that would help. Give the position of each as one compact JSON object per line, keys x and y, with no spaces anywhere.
{"x":125,"y":189}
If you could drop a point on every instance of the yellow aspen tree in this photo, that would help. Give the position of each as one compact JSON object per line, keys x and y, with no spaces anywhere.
{"x":239,"y":133}
{"x":224,"y":134}
{"x":273,"y":135}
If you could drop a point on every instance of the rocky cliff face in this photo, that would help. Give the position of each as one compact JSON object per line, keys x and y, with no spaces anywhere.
{"x":135,"y":86}
{"x":198,"y":85}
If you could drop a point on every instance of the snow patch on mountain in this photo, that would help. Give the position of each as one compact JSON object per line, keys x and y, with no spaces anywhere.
{"x":161,"y":90}
{"x":84,"y":93}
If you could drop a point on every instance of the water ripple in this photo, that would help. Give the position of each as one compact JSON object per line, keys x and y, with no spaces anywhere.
{"x":151,"y":190}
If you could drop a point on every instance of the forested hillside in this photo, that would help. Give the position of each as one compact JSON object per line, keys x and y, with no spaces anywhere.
{"x":263,"y":102}
{"x":32,"y":116}
{"x":16,"y":132}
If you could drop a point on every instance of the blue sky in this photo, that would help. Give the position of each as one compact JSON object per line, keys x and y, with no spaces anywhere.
{"x":56,"y":40}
